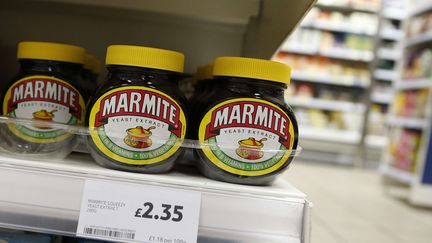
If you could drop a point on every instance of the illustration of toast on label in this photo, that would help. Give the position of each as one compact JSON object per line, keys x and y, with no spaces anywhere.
{"x":139,"y":137}
{"x":251,"y":148}
{"x":44,"y":115}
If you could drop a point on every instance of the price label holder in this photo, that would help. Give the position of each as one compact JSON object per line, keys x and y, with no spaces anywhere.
{"x":129,"y":212}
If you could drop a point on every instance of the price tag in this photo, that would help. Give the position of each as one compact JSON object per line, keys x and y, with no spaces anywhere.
{"x":138,"y":213}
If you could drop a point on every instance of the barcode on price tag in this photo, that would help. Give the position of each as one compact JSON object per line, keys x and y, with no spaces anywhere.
{"x":137,"y":213}
{"x":109,"y":233}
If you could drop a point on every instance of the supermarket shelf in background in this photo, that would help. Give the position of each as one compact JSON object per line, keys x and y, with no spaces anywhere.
{"x":330,"y":105}
{"x":328,"y":79}
{"x":43,"y":204}
{"x":376,"y":141}
{"x":426,"y":6}
{"x":339,"y":27}
{"x":389,"y":54}
{"x":392,"y":34}
{"x":336,"y":52}
{"x":419,"y":39}
{"x":382,"y":98}
{"x":347,"y":8}
{"x":386,"y":75}
{"x":399,"y":175}
{"x":330,"y":135}
{"x":408,"y":122}
{"x":392,"y":13}
{"x":348,"y":54}
{"x":300,"y":49}
{"x":417,"y":83}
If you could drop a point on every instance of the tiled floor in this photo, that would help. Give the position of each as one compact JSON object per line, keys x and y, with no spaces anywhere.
{"x":350,"y":207}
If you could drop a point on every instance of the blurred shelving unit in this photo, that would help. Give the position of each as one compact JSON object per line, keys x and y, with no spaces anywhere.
{"x":407,"y":161}
{"x":385,"y":70}
{"x":44,"y":196}
{"x":331,"y":54}
{"x":322,"y":104}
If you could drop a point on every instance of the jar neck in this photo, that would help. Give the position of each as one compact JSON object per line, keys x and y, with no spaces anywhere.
{"x":248,"y":85}
{"x":46,"y":66}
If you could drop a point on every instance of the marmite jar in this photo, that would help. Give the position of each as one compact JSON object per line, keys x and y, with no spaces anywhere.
{"x":247,"y":133}
{"x":91,"y":71}
{"x":48,"y":90}
{"x":137,"y":119}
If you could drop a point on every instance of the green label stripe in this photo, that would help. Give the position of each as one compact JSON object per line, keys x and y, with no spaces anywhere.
{"x":28,"y":131}
{"x":136,"y":155}
{"x":224,"y":158}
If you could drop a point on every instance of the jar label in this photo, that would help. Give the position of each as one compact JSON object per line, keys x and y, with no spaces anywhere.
{"x":137,"y":125}
{"x":43,"y":98}
{"x":247,"y":136}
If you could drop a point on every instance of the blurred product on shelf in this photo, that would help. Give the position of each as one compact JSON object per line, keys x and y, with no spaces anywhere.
{"x":418,"y":64}
{"x":403,"y":148}
{"x":386,"y":65}
{"x":309,"y":91}
{"x":314,"y":66}
{"x":420,"y":24}
{"x":333,"y":120}
{"x":390,"y":44}
{"x":391,"y":25}
{"x":355,"y":22}
{"x":311,"y":41}
{"x":411,"y":103}
{"x":371,"y":5}
{"x":376,"y":120}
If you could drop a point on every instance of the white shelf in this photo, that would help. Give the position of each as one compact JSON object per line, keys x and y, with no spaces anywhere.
{"x":201,"y":29}
{"x":419,"y":39}
{"x":46,"y":196}
{"x":386,"y":75}
{"x":300,"y":49}
{"x":399,"y":175}
{"x":389,"y":54}
{"x":396,"y":14}
{"x":340,"y":27}
{"x":418,"y":83}
{"x":423,"y":7}
{"x":335,"y":52}
{"x":331,"y":105}
{"x":348,"y":54}
{"x":382,"y":98}
{"x":315,"y":77}
{"x":392,"y":34}
{"x":414,"y":123}
{"x":330,"y":135}
{"x":375,"y":141}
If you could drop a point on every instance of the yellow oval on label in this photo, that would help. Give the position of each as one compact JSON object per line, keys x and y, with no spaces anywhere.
{"x":137,"y":125}
{"x":247,"y":136}
{"x":43,"y":98}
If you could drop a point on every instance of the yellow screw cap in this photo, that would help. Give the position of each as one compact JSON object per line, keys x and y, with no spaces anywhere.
{"x":252,"y":68}
{"x":139,"y":56}
{"x":50,"y":51}
{"x":92,"y":63}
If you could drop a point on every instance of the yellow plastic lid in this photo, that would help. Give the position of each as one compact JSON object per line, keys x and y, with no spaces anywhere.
{"x":252,"y":68}
{"x":139,"y":56}
{"x":50,"y":51}
{"x":204,"y":72}
{"x":92,"y":63}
